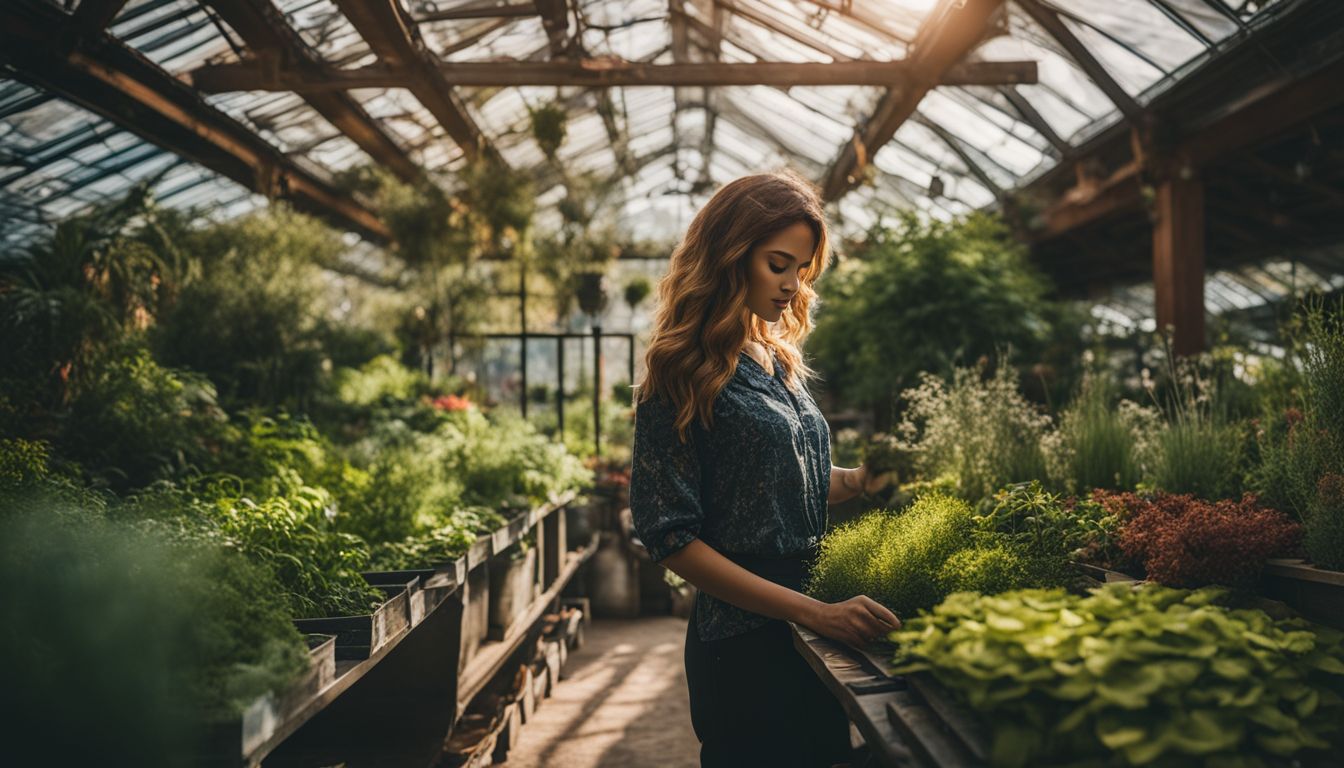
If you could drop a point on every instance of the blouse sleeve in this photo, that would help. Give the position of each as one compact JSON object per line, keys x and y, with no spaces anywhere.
{"x":664,"y":481}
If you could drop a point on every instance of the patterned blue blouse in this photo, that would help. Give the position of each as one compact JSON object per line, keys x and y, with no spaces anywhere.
{"x":754,"y":484}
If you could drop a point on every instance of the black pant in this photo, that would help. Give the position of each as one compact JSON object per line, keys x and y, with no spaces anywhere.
{"x":756,"y":702}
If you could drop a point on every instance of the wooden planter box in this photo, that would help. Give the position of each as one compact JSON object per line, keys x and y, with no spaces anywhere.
{"x":229,"y":741}
{"x":579,"y":525}
{"x":1104,"y":575}
{"x":475,"y":613}
{"x":358,"y":637}
{"x":513,"y":586}
{"x":412,"y":582}
{"x":1316,"y":593}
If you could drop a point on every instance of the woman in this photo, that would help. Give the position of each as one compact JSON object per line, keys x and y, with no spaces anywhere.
{"x":731,"y":474}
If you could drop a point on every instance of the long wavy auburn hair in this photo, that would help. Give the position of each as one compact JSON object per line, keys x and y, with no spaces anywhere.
{"x":703,"y":321}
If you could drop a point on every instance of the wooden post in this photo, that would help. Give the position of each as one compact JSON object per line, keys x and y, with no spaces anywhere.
{"x":1178,"y":261}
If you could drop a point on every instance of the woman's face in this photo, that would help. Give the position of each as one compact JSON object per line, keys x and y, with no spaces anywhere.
{"x":773,"y":268}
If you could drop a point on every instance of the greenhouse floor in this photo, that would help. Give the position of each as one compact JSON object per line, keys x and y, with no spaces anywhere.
{"x":623,"y":702}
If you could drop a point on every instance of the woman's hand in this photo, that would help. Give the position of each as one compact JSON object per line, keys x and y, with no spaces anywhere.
{"x":857,"y":621}
{"x":872,"y":483}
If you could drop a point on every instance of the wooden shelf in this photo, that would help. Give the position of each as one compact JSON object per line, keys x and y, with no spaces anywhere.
{"x":433,"y":593}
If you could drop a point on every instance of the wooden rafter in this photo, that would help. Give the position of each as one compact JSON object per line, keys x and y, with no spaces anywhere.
{"x":949,"y":33}
{"x":555,"y":20}
{"x":480,"y":11}
{"x":1253,"y":117}
{"x":1048,"y":20}
{"x":778,"y":27}
{"x":475,"y":37}
{"x":394,"y":38}
{"x":90,"y":20}
{"x":598,"y":73}
{"x":1032,"y":117}
{"x":121,"y":85}
{"x":871,"y":21}
{"x":276,"y":44}
{"x":681,"y":48}
{"x":710,"y":52}
{"x":963,"y":154}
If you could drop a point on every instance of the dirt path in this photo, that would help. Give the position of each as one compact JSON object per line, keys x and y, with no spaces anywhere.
{"x":622,"y":704}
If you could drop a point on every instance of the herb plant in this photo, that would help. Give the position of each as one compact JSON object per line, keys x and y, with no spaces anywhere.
{"x":1182,"y":541}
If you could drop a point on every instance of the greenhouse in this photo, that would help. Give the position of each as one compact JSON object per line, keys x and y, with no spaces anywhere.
{"x":578,"y":383}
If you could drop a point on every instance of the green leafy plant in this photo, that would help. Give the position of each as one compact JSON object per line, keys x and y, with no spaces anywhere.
{"x":1199,"y":450}
{"x":637,"y":289}
{"x":405,"y":490}
{"x":1096,"y":443}
{"x":380,"y":380}
{"x":94,"y":279}
{"x":317,"y":567}
{"x":134,"y":421}
{"x":1325,"y":523}
{"x":505,"y":461}
{"x":1049,"y":527}
{"x":440,"y":545}
{"x":1126,"y":676}
{"x":994,"y":568}
{"x":134,"y":635}
{"x":924,"y":296}
{"x":251,"y":316}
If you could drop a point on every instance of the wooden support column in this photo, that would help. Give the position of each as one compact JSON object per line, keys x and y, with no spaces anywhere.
{"x":1178,"y":261}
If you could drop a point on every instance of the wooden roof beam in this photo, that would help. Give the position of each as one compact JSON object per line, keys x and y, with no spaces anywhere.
{"x":711,"y":52}
{"x":122,"y":86}
{"x":275,"y":43}
{"x":598,"y":73}
{"x":1252,"y":118}
{"x":681,"y":54}
{"x":489,"y":10}
{"x":90,"y":20}
{"x":394,"y":38}
{"x":948,"y":34}
{"x":555,"y":20}
{"x":774,"y":25}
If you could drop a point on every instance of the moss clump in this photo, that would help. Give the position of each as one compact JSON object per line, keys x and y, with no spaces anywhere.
{"x":995,"y":568}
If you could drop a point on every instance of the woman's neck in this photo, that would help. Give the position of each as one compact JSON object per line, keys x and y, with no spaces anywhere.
{"x":760,"y":354}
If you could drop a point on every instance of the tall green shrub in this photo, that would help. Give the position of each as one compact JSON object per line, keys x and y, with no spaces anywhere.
{"x":978,"y":429}
{"x":1097,"y":440}
{"x":251,"y":315}
{"x":1199,"y":450}
{"x":925,"y":296}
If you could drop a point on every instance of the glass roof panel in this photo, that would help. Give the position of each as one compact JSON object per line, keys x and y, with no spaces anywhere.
{"x":68,"y":155}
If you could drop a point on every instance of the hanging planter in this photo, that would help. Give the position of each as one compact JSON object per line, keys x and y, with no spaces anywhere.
{"x":592,"y":292}
{"x":548,"y":127}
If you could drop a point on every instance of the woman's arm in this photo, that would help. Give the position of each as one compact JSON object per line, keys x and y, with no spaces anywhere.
{"x":856,"y":621}
{"x":845,"y":484}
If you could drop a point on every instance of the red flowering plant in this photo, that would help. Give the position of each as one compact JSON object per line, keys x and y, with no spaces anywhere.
{"x":450,"y":403}
{"x":1182,"y":541}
